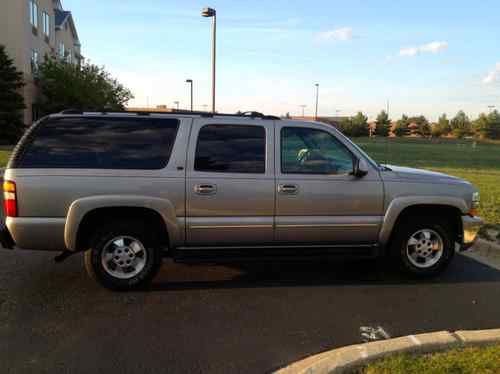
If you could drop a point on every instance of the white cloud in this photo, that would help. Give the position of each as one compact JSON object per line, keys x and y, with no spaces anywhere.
{"x":343,"y":34}
{"x":493,"y":76}
{"x":434,"y":47}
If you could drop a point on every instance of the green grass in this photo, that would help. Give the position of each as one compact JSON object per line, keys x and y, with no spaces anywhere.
{"x":477,"y":360}
{"x":4,"y":157}
{"x":478,"y":163}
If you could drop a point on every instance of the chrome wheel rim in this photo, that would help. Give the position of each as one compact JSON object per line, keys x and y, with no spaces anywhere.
{"x":124,"y":257}
{"x":424,"y":248}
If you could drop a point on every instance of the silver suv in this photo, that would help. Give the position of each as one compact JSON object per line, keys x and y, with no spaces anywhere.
{"x":130,"y":188}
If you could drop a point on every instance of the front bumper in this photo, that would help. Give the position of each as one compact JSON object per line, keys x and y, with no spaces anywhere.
{"x":471,"y":227}
{"x":5,"y":237}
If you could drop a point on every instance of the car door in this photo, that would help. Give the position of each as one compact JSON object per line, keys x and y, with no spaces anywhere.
{"x":230,"y":182}
{"x":318,"y":201}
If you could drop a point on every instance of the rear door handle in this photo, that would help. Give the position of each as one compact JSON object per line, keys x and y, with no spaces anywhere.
{"x":288,"y":189}
{"x":205,"y":189}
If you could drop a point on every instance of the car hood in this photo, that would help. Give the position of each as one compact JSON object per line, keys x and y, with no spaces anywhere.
{"x":405,"y":173}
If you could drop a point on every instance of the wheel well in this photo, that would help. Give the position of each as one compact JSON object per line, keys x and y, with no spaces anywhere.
{"x":447,"y":213}
{"x":97,"y":217}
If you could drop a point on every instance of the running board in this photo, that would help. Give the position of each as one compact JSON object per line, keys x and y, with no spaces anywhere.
{"x":273,"y":253}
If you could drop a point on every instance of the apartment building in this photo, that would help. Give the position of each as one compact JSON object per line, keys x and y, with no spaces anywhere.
{"x":31,"y":30}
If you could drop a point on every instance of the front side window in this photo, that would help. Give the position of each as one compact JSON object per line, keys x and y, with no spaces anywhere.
{"x":312,"y":151}
{"x":46,"y":23}
{"x":231,"y":149}
{"x":69,"y":57}
{"x":100,"y":143}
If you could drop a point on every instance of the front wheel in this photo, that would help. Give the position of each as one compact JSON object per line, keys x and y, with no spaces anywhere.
{"x":122,"y":256}
{"x":423,"y":247}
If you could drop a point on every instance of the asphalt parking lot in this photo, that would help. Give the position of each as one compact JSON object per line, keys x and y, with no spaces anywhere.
{"x":215,"y":319}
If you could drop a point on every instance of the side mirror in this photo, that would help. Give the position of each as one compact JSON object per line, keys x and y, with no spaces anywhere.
{"x":360,"y":168}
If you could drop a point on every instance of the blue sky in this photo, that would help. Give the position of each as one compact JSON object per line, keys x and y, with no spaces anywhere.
{"x":425,"y":57}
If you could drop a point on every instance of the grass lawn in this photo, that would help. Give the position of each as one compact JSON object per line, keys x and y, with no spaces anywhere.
{"x":4,"y":157}
{"x":478,"y":163}
{"x":477,"y":360}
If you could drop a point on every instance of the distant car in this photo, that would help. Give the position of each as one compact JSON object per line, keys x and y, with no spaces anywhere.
{"x":130,"y":188}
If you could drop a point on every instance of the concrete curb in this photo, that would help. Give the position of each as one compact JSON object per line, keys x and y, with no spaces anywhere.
{"x":354,"y":356}
{"x":483,"y":243}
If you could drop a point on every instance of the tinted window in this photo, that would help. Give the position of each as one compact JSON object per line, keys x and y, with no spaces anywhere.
{"x":231,"y":149}
{"x":100,"y":143}
{"x":311,"y":151}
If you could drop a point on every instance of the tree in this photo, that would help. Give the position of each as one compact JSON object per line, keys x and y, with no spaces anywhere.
{"x":423,"y":126}
{"x":442,"y":127}
{"x":11,"y":100}
{"x":481,"y":126}
{"x":359,"y":125}
{"x":86,"y":87}
{"x":345,"y":126}
{"x":383,"y":124}
{"x":401,"y":127}
{"x":494,"y":125}
{"x":460,"y":125}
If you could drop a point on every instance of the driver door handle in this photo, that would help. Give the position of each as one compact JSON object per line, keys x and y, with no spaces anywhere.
{"x":288,"y":189}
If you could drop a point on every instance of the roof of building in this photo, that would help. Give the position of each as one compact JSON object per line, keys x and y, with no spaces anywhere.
{"x":61,"y":16}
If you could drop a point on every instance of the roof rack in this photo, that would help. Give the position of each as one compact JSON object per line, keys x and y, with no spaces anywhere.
{"x":187,"y":112}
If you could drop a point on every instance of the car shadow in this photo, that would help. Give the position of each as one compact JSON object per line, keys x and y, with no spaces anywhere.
{"x":315,"y":273}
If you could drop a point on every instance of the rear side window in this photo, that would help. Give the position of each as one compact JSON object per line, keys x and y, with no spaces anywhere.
{"x":231,"y":149}
{"x":100,"y":143}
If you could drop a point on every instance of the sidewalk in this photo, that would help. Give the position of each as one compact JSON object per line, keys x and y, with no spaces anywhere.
{"x":486,"y":252}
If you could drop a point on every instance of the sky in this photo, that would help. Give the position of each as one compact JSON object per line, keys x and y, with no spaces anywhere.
{"x":414,"y":57}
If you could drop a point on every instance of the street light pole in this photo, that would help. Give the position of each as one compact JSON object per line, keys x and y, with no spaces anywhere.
{"x":190,"y":81}
{"x":303,"y":107}
{"x":177,"y":104}
{"x":210,"y":12}
{"x":317,"y":99}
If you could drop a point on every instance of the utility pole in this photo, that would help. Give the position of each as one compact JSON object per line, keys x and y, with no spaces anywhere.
{"x":303,"y":106}
{"x":190,"y":81}
{"x":317,"y":99}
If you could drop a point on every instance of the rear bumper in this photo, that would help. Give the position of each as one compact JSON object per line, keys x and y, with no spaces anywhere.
{"x":471,"y":227}
{"x":5,"y":237}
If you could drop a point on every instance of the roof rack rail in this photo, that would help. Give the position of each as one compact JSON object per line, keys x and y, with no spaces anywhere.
{"x":71,"y":111}
{"x":250,"y":114}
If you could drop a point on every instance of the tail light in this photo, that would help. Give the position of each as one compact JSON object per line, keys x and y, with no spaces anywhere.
{"x":10,"y":199}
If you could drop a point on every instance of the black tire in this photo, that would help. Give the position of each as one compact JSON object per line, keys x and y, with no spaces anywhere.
{"x":403,"y":233}
{"x":103,"y":236}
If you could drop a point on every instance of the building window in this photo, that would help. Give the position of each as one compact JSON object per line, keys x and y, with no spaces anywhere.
{"x":62,"y":51}
{"x":33,"y":13}
{"x":69,"y":57}
{"x":46,"y":23}
{"x":34,"y":61}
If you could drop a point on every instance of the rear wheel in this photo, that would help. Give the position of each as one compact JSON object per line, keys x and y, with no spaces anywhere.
{"x":423,"y":246}
{"x":123,"y":256}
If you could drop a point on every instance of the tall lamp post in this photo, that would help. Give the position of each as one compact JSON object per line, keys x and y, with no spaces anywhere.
{"x":177,"y":104}
{"x":317,"y":99}
{"x":303,"y":106}
{"x":190,"y":81}
{"x":210,"y":12}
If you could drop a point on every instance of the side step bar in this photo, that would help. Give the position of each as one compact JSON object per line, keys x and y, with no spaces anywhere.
{"x":257,"y":254}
